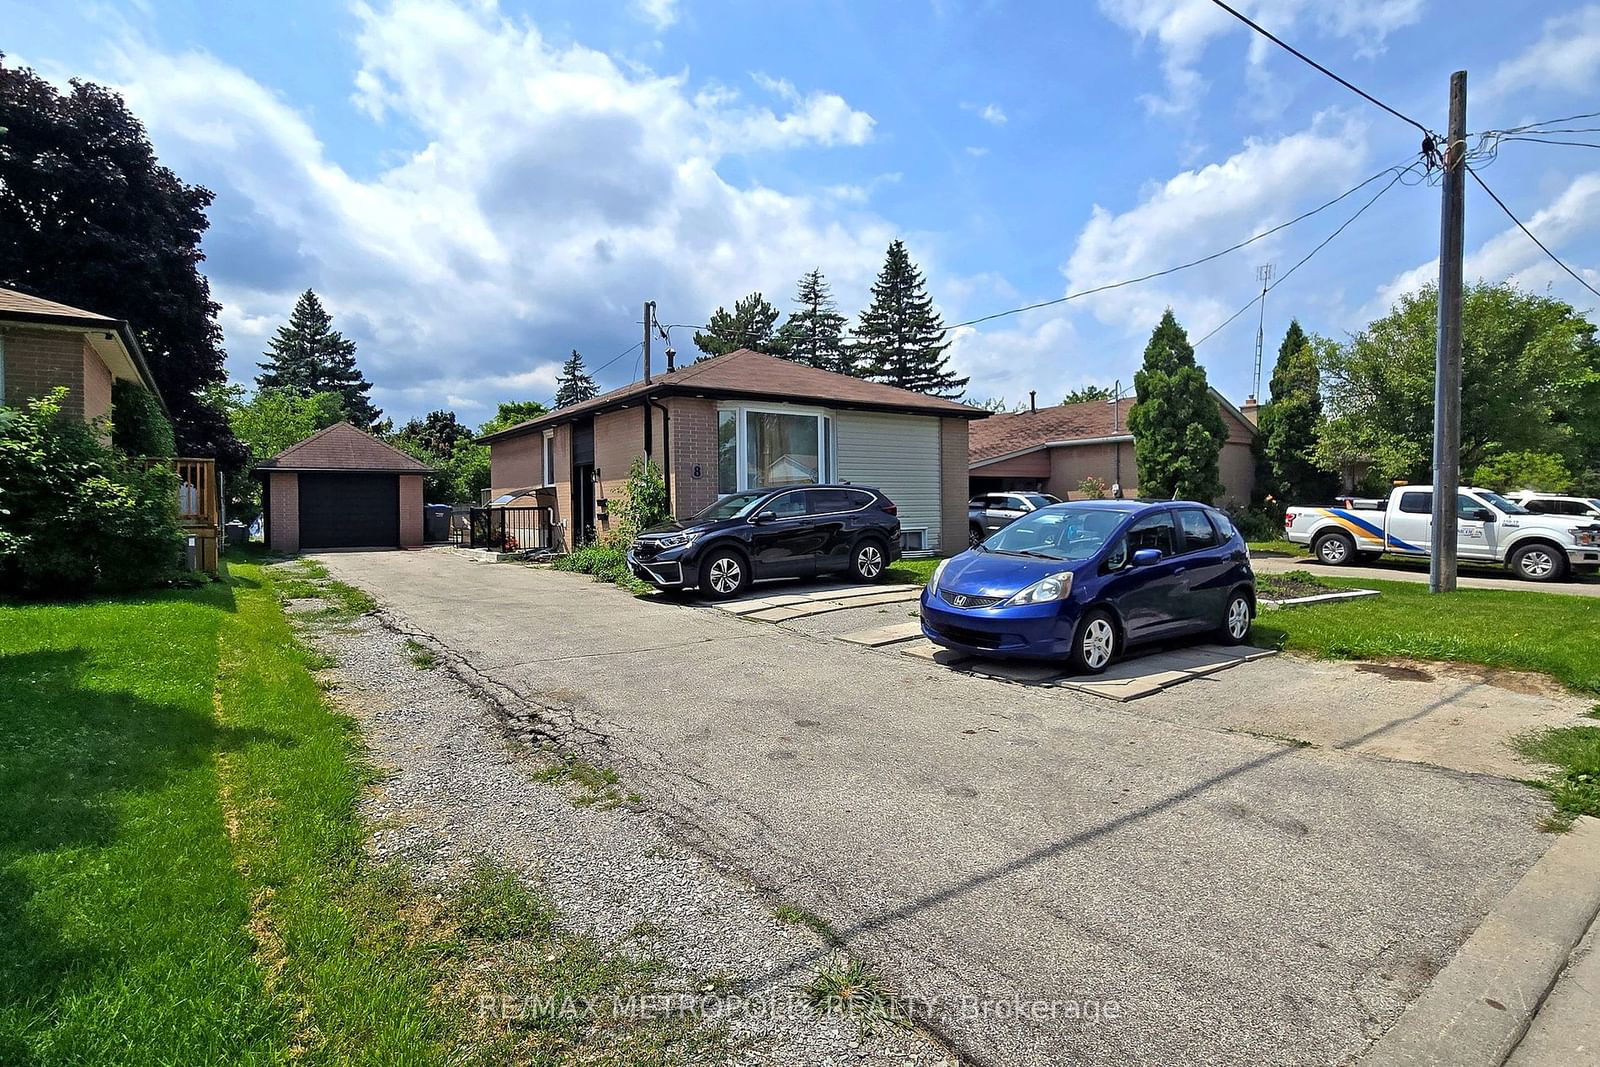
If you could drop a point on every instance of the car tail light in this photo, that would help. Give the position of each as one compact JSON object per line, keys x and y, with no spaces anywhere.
{"x":889,"y":507}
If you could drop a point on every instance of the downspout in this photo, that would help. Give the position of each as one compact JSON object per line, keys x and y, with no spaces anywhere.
{"x":666,"y":448}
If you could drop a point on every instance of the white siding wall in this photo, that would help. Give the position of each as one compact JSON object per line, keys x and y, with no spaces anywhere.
{"x":898,"y":454}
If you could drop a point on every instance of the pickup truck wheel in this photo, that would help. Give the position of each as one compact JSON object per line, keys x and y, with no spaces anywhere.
{"x":1335,"y":549}
{"x":1538,"y":562}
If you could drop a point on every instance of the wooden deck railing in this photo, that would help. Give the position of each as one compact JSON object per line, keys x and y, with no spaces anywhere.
{"x":198,"y":507}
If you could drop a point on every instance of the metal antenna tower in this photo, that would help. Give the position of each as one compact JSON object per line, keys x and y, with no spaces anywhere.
{"x":1264,"y":276}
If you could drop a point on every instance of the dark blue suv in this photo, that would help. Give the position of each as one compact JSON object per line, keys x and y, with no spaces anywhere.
{"x":1083,"y":580}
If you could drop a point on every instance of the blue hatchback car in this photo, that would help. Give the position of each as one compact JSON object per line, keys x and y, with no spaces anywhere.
{"x":1081,"y":581}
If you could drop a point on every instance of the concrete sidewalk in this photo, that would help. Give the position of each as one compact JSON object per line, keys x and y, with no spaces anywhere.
{"x":1236,"y":898}
{"x":1470,"y":577}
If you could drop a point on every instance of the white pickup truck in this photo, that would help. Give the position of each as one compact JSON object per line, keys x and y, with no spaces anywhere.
{"x":1490,"y":529}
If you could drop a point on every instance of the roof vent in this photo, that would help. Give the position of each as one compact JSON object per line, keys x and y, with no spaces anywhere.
{"x":1033,"y":401}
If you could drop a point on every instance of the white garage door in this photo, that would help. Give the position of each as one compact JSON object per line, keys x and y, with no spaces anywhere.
{"x":898,"y":454}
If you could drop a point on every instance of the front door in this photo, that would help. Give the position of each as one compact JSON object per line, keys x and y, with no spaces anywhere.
{"x":582,"y":504}
{"x":785,"y":545}
{"x":1475,"y":537}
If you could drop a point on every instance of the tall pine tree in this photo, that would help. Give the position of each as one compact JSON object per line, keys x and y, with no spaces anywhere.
{"x":749,"y":325}
{"x":814,"y":332}
{"x":309,"y":356}
{"x":1288,"y":425}
{"x":900,"y":338}
{"x":573,"y":384}
{"x":1176,"y":424}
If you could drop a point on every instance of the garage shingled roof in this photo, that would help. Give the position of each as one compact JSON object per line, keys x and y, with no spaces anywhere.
{"x":342,"y":447}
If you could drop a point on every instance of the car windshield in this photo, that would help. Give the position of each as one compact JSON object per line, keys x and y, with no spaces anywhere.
{"x":731,"y":506}
{"x":1057,"y":533}
{"x":1503,"y":504}
{"x":1595,"y":504}
{"x":1040,"y":500}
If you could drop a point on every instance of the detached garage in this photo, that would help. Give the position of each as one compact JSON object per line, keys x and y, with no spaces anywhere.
{"x":341,"y":488}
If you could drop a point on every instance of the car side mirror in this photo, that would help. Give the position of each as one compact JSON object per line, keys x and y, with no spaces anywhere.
{"x":766,"y":516}
{"x":1483,"y":515}
{"x":1144,"y":557}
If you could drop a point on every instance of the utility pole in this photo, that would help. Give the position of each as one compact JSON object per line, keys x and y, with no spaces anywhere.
{"x":1447,"y":353}
{"x":649,"y":423}
{"x":1264,"y":276}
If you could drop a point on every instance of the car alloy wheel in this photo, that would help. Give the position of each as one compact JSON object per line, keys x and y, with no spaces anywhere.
{"x":974,"y":537}
{"x":1099,"y":641}
{"x":869,"y":561}
{"x":1333,"y":550}
{"x":725,"y":575}
{"x":1238,"y":618}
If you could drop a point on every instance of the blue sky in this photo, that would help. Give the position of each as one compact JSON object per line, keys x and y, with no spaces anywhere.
{"x":477,"y":188}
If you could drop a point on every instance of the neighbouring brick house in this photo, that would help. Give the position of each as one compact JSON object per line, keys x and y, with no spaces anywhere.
{"x":1052,"y":450}
{"x":341,"y":488}
{"x":740,"y":421}
{"x":44,"y":345}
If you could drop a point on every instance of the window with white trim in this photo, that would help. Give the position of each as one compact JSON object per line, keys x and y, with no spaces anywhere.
{"x":549,"y":458}
{"x":913,"y":540}
{"x":767,"y":446}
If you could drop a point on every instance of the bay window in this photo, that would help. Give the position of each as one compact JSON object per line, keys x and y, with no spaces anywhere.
{"x":767,"y":447}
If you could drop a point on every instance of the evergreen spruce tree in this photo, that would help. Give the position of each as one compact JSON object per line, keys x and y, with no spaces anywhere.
{"x":1177,"y":427}
{"x":1288,"y":424}
{"x":573,"y":384}
{"x":309,"y":356}
{"x":814,"y":333}
{"x":749,"y":325}
{"x":900,"y":338}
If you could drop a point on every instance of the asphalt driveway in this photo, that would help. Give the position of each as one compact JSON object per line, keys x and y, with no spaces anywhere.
{"x":1234,"y":897}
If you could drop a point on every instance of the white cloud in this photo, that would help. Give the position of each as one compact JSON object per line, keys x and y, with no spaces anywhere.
{"x":659,"y":13}
{"x":1566,"y":58}
{"x":1184,"y":29}
{"x":990,"y":113}
{"x":1569,"y":222}
{"x":1198,"y":211}
{"x":553,"y":189}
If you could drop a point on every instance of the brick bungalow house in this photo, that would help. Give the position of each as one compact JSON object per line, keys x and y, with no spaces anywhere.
{"x":740,"y":421}
{"x":44,"y":345}
{"x":1052,"y":450}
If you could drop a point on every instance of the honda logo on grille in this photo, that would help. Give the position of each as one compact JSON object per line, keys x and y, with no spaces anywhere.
{"x":959,"y":600}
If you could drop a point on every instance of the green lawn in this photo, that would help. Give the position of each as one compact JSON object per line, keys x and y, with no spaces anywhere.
{"x":1517,"y":629}
{"x":182,"y":872}
{"x":910,"y":571}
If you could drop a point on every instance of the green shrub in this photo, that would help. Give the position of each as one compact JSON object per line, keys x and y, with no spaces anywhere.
{"x":643,"y":503}
{"x":75,"y":514}
{"x":1257,"y":523}
{"x":138,"y":426}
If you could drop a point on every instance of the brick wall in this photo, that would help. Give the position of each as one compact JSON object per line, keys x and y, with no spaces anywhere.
{"x":618,"y":440}
{"x":96,"y":385}
{"x":283,"y":512}
{"x":514,"y":463}
{"x":694,"y":444}
{"x":39,"y":360}
{"x":1070,"y":466}
{"x":952,"y":486}
{"x":410,"y":510}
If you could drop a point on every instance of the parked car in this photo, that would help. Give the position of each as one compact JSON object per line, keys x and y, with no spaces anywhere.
{"x":792,"y":532}
{"x":1083,"y":580}
{"x":989,"y":512}
{"x":1489,"y":529}
{"x":1550,"y":504}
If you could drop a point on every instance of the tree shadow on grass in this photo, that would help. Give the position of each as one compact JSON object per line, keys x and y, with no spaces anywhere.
{"x":75,"y":760}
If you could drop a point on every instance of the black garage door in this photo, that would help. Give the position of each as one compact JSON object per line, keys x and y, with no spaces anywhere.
{"x":349,"y":510}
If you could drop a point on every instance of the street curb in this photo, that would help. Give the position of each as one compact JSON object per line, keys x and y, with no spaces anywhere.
{"x":1478,"y":1008}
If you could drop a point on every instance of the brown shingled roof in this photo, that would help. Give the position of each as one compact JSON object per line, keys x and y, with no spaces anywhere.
{"x":342,"y":447}
{"x":753,"y":374}
{"x":1005,"y":434}
{"x":31,"y":307}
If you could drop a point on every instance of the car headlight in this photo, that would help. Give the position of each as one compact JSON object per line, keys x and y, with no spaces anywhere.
{"x":1055,"y":587}
{"x":933,"y":580}
{"x":678,"y":540}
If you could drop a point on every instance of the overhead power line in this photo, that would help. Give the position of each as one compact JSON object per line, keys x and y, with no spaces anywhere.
{"x":1306,"y":258}
{"x":1292,"y":50}
{"x":1575,"y":275}
{"x":1546,"y":140}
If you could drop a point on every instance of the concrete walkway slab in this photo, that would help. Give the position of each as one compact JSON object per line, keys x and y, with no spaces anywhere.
{"x":879,"y":636}
{"x":1013,"y":671}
